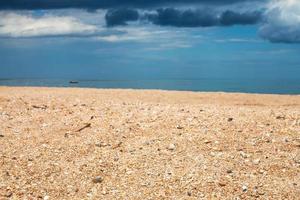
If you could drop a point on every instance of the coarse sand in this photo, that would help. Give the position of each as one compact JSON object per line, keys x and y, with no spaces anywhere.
{"x":67,"y":143}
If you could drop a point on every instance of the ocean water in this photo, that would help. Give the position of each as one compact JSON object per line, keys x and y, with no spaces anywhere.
{"x":266,"y":86}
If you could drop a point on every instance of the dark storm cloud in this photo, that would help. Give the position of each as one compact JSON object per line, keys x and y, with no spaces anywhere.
{"x":121,"y":16}
{"x":184,"y":18}
{"x":95,"y":4}
{"x":229,"y":18}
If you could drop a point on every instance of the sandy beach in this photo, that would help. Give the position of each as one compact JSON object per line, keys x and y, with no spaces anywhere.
{"x":58,"y":143}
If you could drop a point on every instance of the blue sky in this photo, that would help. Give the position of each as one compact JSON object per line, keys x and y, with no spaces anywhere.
{"x":76,"y":43}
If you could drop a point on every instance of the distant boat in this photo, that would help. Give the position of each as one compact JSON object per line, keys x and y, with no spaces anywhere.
{"x":73,"y":82}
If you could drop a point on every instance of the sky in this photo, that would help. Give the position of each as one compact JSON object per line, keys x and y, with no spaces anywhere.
{"x":150,"y":39}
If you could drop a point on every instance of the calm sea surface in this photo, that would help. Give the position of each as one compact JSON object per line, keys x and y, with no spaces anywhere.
{"x":271,"y":86}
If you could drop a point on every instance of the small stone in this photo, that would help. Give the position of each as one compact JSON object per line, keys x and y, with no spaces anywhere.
{"x":244,"y":188}
{"x":268,"y":140}
{"x":280,"y":117}
{"x":230,"y":119}
{"x":297,"y":158}
{"x":222,"y":183}
{"x":104,"y":192}
{"x":256,"y":161}
{"x":229,"y":171}
{"x":98,"y":144}
{"x":116,"y":159}
{"x":1,"y":136}
{"x":189,"y":193}
{"x":9,"y":194}
{"x":201,"y":195}
{"x":207,"y":141}
{"x":243,"y":154}
{"x":179,"y":127}
{"x":171,"y":147}
{"x":46,"y":197}
{"x":98,"y":179}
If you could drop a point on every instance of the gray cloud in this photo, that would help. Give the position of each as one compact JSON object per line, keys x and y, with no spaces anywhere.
{"x":121,"y":16}
{"x":280,"y":34}
{"x":279,"y":23}
{"x":282,"y":23}
{"x":184,"y":18}
{"x":97,"y":4}
{"x":229,"y":18}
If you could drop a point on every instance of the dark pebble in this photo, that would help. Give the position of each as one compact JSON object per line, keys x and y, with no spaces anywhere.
{"x":230,"y":119}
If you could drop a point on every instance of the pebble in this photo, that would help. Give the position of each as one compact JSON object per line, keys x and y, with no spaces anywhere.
{"x":230,"y":119}
{"x":9,"y":194}
{"x":222,"y":184}
{"x":297,"y":158}
{"x":179,"y":127}
{"x":280,"y":117}
{"x":256,"y":161}
{"x":98,"y":179}
{"x":201,"y":195}
{"x":171,"y":147}
{"x":229,"y":171}
{"x":244,"y":188}
{"x":1,"y":135}
{"x":46,"y":197}
{"x":207,"y":141}
{"x":243,"y":154}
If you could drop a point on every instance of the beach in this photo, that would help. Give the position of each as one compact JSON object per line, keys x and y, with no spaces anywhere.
{"x":71,"y":143}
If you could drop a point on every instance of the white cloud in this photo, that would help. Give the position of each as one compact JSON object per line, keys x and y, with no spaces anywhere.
{"x":147,"y":34}
{"x":26,"y":25}
{"x":282,"y":21}
{"x":237,"y":40}
{"x":127,"y":34}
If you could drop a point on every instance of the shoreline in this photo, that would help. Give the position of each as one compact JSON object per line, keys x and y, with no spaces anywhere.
{"x":211,"y":85}
{"x":230,"y":98}
{"x":149,"y":90}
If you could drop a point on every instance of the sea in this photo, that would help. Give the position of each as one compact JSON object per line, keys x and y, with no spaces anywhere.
{"x":260,"y":86}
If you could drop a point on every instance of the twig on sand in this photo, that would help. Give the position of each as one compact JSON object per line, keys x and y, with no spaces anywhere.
{"x":44,"y":107}
{"x":87,"y":125}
